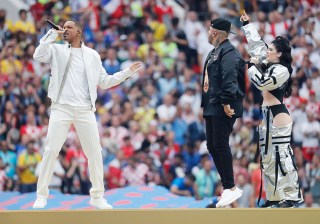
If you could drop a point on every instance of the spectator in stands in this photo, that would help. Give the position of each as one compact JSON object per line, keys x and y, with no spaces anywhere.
{"x":127,"y":148}
{"x":9,"y":164}
{"x":3,"y":177}
{"x":191,"y":156}
{"x":196,"y":129}
{"x":169,"y":51}
{"x":24,"y":25}
{"x":179,"y":127}
{"x":113,"y":172}
{"x":5,"y":27}
{"x":185,"y":186}
{"x":159,"y":29}
{"x":313,"y":174}
{"x":117,"y":131}
{"x":313,"y":106}
{"x":299,"y":117}
{"x":166,"y":111}
{"x":9,"y":64}
{"x":77,"y":172}
{"x":257,"y":183}
{"x":178,"y":35}
{"x":27,"y":163}
{"x":308,"y":201}
{"x":177,"y":168}
{"x":206,"y":180}
{"x":311,"y":135}
{"x":111,"y":64}
{"x":243,"y":184}
{"x":134,"y":174}
{"x":136,"y":135}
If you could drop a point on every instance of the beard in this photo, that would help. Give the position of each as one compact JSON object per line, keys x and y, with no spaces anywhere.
{"x":66,"y":36}
{"x":210,"y":39}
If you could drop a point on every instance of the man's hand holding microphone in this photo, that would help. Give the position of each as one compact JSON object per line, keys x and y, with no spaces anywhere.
{"x":58,"y":28}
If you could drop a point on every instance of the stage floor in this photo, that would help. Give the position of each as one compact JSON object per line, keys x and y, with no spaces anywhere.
{"x":140,"y":205}
{"x":122,"y":198}
{"x":164,"y":216}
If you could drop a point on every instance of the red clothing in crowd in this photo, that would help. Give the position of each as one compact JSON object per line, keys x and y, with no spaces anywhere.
{"x":162,"y":11}
{"x":256,"y":182}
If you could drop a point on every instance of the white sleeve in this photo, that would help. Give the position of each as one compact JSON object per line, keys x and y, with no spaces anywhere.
{"x":43,"y":52}
{"x":107,"y":81}
{"x":274,"y":78}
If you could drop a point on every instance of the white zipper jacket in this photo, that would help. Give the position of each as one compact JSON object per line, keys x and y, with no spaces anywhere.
{"x":58,"y":56}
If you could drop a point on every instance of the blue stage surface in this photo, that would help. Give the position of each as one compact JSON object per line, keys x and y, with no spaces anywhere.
{"x":129,"y":197}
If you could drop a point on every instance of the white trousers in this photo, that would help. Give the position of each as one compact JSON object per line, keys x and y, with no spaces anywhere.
{"x":84,"y":121}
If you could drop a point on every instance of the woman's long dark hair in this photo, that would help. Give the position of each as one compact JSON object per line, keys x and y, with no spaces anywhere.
{"x":282,"y":45}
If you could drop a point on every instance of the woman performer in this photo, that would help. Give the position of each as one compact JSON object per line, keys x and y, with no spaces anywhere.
{"x":270,"y":72}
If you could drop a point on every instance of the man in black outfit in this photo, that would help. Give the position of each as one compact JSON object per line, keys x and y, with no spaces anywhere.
{"x":223,"y":89}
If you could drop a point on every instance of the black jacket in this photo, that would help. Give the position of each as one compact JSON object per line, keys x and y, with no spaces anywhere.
{"x":226,"y":73}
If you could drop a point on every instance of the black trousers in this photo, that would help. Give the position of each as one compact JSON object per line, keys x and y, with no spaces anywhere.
{"x":218,"y":134}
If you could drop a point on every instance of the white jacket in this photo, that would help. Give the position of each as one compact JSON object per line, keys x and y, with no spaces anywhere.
{"x":58,"y":56}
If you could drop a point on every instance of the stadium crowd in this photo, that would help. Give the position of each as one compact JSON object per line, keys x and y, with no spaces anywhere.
{"x":151,"y":126}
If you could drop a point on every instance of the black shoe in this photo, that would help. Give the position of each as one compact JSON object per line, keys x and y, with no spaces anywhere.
{"x":212,"y":205}
{"x":270,"y":204}
{"x":298,"y":203}
{"x":289,"y":204}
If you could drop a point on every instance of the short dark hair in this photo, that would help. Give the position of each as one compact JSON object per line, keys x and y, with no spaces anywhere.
{"x":175,"y":21}
{"x":22,"y":11}
{"x":178,"y":155}
{"x":76,"y":23}
{"x":191,"y":177}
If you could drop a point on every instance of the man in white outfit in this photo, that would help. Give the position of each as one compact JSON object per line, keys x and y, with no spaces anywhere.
{"x":76,"y":73}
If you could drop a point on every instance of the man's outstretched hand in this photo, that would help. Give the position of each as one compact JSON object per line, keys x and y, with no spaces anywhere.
{"x":135,"y":67}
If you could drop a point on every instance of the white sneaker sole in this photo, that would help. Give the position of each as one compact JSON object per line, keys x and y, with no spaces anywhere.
{"x":108,"y":207}
{"x":234,"y":198}
{"x":38,"y":206}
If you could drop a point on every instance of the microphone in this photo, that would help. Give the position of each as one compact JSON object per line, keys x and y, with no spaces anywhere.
{"x":54,"y":26}
{"x":261,"y":59}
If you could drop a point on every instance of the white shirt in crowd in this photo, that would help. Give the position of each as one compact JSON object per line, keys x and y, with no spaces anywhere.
{"x":192,"y":29}
{"x":166,"y":112}
{"x":75,"y":90}
{"x":311,"y":132}
{"x":299,"y":117}
{"x":203,"y":46}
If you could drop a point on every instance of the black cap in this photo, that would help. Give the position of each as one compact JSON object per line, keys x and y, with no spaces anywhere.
{"x":221,"y":24}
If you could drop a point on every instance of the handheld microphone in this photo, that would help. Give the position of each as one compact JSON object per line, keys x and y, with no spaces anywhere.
{"x":261,"y":59}
{"x":54,"y":26}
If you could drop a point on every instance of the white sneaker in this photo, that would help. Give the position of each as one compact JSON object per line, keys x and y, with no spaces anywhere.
{"x":100,"y":203}
{"x":40,"y":203}
{"x":228,"y":196}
